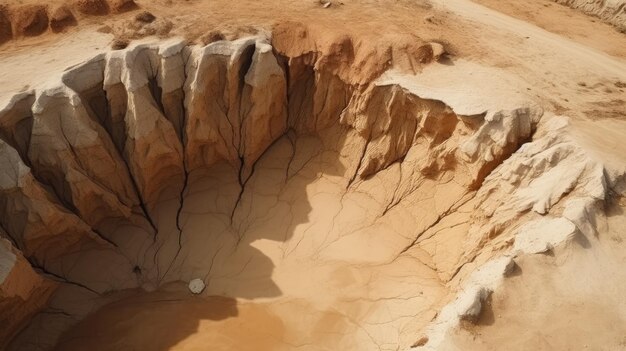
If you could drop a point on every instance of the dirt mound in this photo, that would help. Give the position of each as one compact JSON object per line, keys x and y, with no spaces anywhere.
{"x":145,"y":17}
{"x":212,"y":36}
{"x":231,"y":33}
{"x":143,"y":25}
{"x":30,"y":20}
{"x":355,"y":59}
{"x":60,"y":18}
{"x":119,"y":44}
{"x":119,"y":6}
{"x":26,"y":19}
{"x":6,"y":33}
{"x":92,"y":7}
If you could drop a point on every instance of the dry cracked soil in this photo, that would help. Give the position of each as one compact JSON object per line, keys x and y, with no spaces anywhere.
{"x":312,"y":175}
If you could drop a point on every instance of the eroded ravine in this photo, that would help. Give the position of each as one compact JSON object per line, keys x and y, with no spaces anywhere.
{"x":314,"y":206}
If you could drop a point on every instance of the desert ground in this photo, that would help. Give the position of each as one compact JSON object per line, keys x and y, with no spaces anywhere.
{"x":312,"y":175}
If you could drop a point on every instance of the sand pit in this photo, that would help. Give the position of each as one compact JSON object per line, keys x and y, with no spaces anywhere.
{"x":247,"y":169}
{"x":290,"y":187}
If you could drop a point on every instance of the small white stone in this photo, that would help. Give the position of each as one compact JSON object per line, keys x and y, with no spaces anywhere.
{"x":196,"y":286}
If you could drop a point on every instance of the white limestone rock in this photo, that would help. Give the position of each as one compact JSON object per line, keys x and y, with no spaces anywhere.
{"x":196,"y":286}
